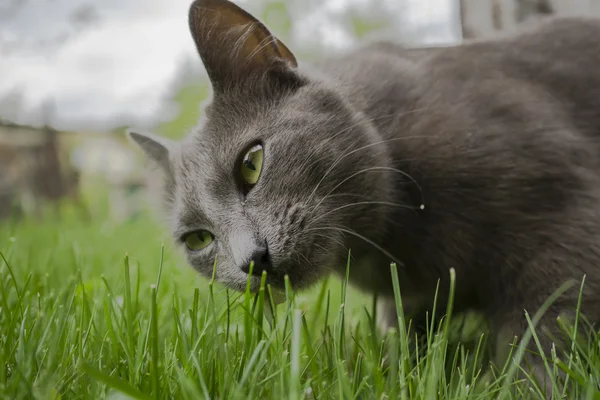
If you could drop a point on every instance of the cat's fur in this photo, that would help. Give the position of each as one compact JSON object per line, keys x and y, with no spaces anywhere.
{"x":483,"y":157}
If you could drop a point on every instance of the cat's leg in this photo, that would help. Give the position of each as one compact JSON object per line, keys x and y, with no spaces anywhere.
{"x":514,"y":323}
{"x":387,"y":316}
{"x":506,"y":327}
{"x":387,"y":319}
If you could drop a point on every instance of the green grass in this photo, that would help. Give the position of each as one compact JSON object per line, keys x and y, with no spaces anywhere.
{"x":96,"y":310}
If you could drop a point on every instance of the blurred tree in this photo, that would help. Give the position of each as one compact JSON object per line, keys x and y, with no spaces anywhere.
{"x":276,"y":16}
{"x":187,"y":103}
{"x":188,"y":88}
{"x":363,"y":26}
{"x":11,"y":104}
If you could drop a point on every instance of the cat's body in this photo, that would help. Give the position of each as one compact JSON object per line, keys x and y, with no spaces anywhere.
{"x":482,"y":157}
{"x":503,"y":139}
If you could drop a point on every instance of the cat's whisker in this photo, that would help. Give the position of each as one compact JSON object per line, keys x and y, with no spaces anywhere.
{"x":315,"y":150}
{"x":363,"y":203}
{"x":389,"y":169}
{"x":354,"y":125}
{"x":314,"y":192}
{"x":359,"y":236}
{"x":334,"y":239}
{"x":340,"y":158}
{"x":462,"y":153}
{"x":321,"y":247}
{"x":372,"y":120}
{"x":311,"y":266}
{"x":361,"y":196}
{"x":303,"y":256}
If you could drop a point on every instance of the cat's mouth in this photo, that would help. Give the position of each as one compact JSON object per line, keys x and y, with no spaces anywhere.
{"x":254,"y":282}
{"x":275,"y":277}
{"x":281,"y":264}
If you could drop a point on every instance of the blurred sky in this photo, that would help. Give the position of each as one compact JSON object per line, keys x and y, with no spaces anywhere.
{"x":121,"y":62}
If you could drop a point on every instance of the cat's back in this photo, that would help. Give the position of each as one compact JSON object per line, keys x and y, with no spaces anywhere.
{"x":561,"y":56}
{"x":556,"y":65}
{"x":544,"y":76}
{"x":555,"y":45}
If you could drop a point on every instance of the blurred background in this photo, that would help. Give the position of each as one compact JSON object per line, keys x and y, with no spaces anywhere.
{"x":74,"y":74}
{"x":81,"y":248}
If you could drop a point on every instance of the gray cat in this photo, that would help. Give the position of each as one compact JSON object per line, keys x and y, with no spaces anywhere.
{"x":483,"y":157}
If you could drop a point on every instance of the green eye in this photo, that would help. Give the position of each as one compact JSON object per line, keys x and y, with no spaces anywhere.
{"x":196,"y":241}
{"x":252,"y":165}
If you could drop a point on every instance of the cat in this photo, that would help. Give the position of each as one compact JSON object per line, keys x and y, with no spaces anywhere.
{"x":482,"y":157}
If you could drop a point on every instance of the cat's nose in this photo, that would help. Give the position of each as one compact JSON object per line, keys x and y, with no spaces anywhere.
{"x":262,"y":262}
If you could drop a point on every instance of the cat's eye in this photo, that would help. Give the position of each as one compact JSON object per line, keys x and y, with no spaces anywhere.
{"x":251,"y":166}
{"x":199,"y":240}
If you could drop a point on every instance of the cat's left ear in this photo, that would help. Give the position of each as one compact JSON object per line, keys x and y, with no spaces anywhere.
{"x":236,"y":48}
{"x":156,"y":148}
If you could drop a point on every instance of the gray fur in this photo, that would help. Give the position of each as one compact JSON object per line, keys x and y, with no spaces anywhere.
{"x":483,"y":157}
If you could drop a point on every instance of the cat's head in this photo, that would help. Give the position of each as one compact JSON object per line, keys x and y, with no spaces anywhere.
{"x":282,"y":170}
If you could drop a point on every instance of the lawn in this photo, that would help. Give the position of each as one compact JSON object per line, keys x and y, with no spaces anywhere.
{"x":91,"y":309}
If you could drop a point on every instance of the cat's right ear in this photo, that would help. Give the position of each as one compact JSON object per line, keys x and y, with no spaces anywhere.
{"x":156,"y":148}
{"x":237,"y":49}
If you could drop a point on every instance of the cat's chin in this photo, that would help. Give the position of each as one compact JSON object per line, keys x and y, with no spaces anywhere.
{"x":253,"y":283}
{"x":275,"y":282}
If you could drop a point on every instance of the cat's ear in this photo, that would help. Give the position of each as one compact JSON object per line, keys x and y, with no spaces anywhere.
{"x":237,"y":48}
{"x":156,"y":148}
